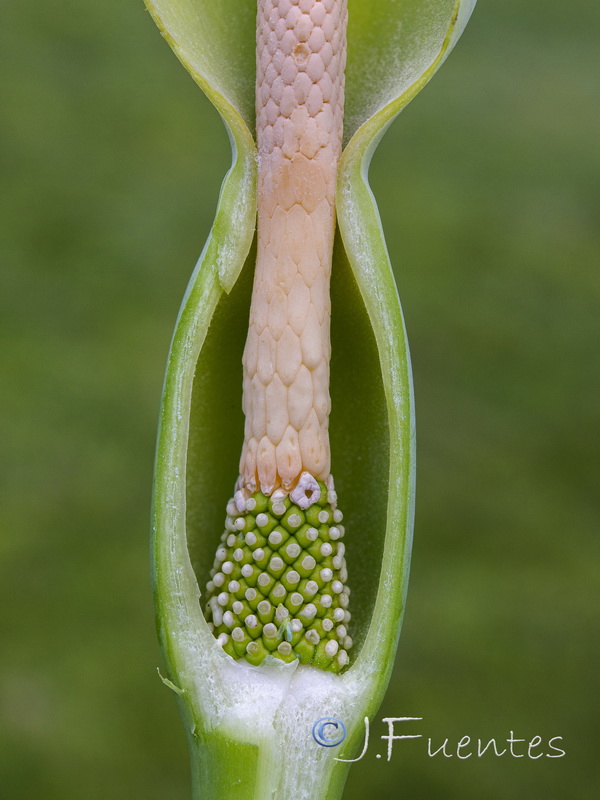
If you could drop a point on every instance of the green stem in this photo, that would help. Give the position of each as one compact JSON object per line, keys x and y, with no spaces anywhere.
{"x":223,"y":768}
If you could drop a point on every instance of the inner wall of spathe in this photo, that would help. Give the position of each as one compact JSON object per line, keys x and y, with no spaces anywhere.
{"x":358,"y":430}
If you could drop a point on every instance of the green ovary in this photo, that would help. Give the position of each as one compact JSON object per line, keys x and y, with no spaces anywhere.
{"x":278,"y":584}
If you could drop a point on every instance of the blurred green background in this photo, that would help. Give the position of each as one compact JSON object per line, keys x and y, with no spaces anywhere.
{"x":111,"y":161}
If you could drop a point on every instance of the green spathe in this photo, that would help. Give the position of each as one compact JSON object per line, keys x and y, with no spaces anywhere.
{"x":250,"y":727}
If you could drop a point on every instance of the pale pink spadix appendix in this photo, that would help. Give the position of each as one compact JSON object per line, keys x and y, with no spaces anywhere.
{"x":278,"y":583}
{"x":301,"y":53}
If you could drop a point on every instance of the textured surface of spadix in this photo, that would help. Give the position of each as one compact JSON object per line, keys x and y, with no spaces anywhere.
{"x":301,"y":54}
{"x":278,"y":582}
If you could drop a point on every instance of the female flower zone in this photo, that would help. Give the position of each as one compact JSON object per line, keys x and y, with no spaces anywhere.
{"x":306,"y":89}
